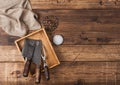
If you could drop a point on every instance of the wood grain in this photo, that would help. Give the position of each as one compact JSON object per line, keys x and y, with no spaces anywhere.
{"x":74,"y":4}
{"x":108,"y":72}
{"x":6,"y":39}
{"x":75,"y":53}
{"x":86,"y":25}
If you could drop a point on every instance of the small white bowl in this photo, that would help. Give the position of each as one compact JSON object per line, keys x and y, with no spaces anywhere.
{"x":58,"y":39}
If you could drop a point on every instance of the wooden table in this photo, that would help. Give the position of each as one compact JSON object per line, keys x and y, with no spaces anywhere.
{"x":90,"y":53}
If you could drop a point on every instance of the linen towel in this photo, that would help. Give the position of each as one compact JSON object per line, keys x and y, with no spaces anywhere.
{"x":17,"y":17}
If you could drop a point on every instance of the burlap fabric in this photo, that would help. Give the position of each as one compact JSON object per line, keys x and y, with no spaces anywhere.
{"x":17,"y":17}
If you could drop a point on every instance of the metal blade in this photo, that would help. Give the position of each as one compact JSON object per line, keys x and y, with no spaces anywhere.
{"x":28,"y":48}
{"x":37,"y":53}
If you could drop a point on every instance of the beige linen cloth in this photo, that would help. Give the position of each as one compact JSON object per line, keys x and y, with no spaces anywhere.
{"x":16,"y":17}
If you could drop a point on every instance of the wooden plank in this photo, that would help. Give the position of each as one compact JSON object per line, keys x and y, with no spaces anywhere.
{"x":83,"y":34}
{"x":73,"y":4}
{"x":84,"y":16}
{"x":87,"y":27}
{"x":87,"y":72}
{"x":78,"y":37}
{"x":79,"y":12}
{"x":82,"y":37}
{"x":75,"y":53}
{"x":63,"y":4}
{"x":88,"y":53}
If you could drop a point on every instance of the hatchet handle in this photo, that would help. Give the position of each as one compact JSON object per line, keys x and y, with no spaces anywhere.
{"x":38,"y":74}
{"x":26,"y":68}
{"x":46,"y":69}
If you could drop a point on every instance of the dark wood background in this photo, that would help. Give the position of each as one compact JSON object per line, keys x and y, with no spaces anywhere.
{"x":90,"y":53}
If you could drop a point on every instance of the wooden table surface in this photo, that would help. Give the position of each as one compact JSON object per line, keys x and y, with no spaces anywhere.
{"x":90,"y":53}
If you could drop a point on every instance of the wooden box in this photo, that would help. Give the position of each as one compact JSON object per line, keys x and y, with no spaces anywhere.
{"x":51,"y":59}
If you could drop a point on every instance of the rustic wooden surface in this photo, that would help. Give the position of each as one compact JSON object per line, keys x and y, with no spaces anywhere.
{"x":90,"y":53}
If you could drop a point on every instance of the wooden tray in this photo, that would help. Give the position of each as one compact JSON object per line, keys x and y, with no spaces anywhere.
{"x":51,"y":59}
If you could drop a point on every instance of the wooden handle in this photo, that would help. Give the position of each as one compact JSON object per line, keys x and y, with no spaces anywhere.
{"x":38,"y":74}
{"x":47,"y":75}
{"x":26,"y":68}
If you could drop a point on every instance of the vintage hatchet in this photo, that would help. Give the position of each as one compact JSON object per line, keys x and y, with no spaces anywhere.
{"x":37,"y":60}
{"x":27,"y":53}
